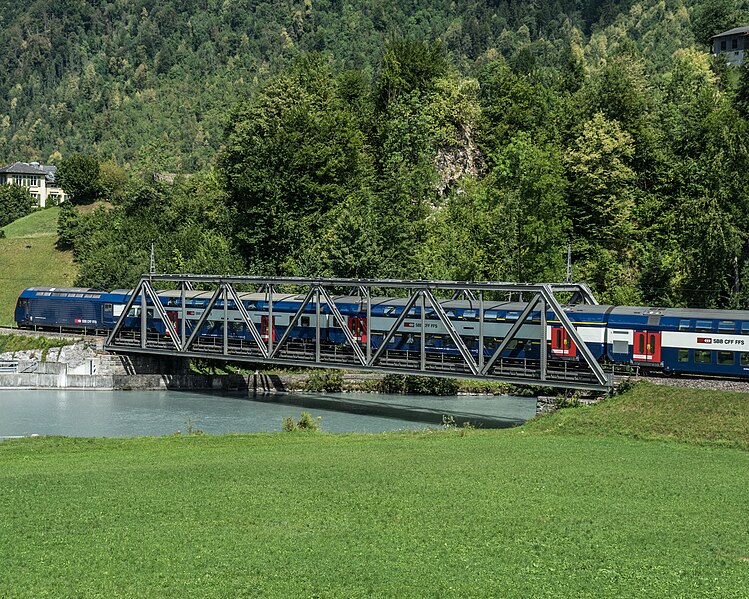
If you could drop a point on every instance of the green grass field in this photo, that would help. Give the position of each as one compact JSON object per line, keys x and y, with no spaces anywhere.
{"x":28,"y":257}
{"x":518,"y":513}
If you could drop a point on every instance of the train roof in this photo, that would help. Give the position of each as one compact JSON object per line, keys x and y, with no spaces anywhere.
{"x":703,"y":314}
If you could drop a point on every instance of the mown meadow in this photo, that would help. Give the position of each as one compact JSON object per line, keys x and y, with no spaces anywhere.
{"x":544,"y":510}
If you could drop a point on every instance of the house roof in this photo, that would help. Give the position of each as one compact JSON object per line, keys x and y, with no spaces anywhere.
{"x":734,"y":31}
{"x":31,"y":168}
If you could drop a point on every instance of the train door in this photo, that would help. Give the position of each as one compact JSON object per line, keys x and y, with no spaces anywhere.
{"x":173,"y":317}
{"x":647,"y":347}
{"x":358,"y":327}
{"x":562,"y":344}
{"x":264,"y":328}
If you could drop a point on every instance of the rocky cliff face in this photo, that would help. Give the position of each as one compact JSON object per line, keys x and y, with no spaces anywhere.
{"x":459,"y":160}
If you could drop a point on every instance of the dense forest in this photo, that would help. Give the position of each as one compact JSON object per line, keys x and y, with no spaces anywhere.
{"x":421,"y":139}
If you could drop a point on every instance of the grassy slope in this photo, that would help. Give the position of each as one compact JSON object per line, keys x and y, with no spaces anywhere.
{"x":28,"y":257}
{"x":491,"y":513}
{"x":649,"y":411}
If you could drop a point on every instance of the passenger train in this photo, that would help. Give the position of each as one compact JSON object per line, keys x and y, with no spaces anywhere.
{"x":671,"y":340}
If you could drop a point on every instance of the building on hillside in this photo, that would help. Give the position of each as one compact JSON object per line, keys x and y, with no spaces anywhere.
{"x":733,"y":43}
{"x":39,"y":179}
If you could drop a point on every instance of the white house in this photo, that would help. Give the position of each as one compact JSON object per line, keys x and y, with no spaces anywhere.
{"x":39,"y":179}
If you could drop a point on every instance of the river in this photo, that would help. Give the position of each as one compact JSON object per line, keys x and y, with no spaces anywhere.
{"x":154,"y":413}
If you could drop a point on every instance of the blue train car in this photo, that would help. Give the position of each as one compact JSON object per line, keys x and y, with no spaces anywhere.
{"x":67,"y":308}
{"x":680,"y":340}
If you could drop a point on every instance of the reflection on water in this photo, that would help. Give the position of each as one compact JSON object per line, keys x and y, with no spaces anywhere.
{"x":150,"y":413}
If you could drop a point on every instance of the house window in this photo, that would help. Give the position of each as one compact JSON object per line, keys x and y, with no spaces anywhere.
{"x":734,"y":43}
{"x":26,"y":180}
{"x":723,"y":46}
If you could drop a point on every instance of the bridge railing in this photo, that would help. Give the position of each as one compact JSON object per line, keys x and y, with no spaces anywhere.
{"x":470,"y":357}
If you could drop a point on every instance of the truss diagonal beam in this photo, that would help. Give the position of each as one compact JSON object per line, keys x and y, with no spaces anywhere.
{"x":572,"y":331}
{"x":248,"y":321}
{"x":123,"y":316}
{"x":342,"y":323}
{"x":204,"y":316}
{"x":159,"y":309}
{"x":511,"y":334}
{"x":292,"y":323}
{"x":393,"y":329}
{"x":454,"y":335}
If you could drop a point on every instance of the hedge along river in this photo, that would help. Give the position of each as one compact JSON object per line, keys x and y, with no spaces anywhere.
{"x":155,"y":413}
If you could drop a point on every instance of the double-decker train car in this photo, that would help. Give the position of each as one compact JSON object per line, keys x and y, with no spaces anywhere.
{"x":672,"y":340}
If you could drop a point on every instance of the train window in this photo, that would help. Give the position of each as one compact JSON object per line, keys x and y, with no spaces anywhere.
{"x":512,"y":315}
{"x":744,"y":359}
{"x":745,"y":328}
{"x":683,"y":355}
{"x":727,"y":326}
{"x":620,"y":346}
{"x":470,"y":314}
{"x":491,"y":315}
{"x":684,"y":325}
{"x":640,"y":344}
{"x":389,"y":310}
{"x":725,"y":358}
{"x":703,"y":356}
{"x":703,"y":326}
{"x":305,"y":321}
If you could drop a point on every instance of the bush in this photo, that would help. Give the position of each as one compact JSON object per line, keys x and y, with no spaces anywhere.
{"x":306,"y":423}
{"x":418,"y":385}
{"x":325,"y":380}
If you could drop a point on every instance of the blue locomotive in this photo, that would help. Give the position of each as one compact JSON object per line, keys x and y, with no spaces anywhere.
{"x":710,"y":342}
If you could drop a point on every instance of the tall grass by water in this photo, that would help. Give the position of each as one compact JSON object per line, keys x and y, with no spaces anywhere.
{"x":596,"y":511}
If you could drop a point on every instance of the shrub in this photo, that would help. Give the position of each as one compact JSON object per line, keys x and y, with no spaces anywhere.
{"x":325,"y":380}
{"x":419,"y":385}
{"x":306,"y":423}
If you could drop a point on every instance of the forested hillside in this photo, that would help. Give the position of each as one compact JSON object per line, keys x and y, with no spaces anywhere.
{"x":440,"y":140}
{"x":149,"y":81}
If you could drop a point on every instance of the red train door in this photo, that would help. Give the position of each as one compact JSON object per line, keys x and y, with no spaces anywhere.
{"x":174,"y":318}
{"x":562,"y":344}
{"x":264,"y":328}
{"x":358,"y":327}
{"x":647,"y":347}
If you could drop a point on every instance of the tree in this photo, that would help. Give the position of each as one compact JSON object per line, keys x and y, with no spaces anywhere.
{"x":292,"y":154}
{"x":15,"y":202}
{"x":79,"y":176}
{"x":409,"y":65}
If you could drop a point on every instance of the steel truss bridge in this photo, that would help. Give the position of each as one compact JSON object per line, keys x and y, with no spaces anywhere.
{"x":188,"y":339}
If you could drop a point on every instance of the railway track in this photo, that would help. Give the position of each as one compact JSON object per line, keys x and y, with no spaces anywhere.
{"x":72,"y":335}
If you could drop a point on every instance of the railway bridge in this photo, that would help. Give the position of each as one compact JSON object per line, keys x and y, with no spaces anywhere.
{"x":363,"y":343}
